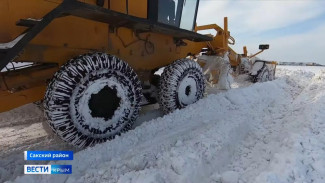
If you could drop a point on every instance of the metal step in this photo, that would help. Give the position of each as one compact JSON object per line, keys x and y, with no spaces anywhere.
{"x":2,"y":54}
{"x":28,"y":22}
{"x":5,"y":46}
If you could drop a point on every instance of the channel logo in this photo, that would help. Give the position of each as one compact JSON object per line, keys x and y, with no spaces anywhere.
{"x":47,"y":169}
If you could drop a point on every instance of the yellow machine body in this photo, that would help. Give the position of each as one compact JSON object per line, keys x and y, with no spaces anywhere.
{"x":68,"y":37}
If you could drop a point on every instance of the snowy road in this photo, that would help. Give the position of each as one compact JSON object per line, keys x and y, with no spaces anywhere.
{"x":271,"y":132}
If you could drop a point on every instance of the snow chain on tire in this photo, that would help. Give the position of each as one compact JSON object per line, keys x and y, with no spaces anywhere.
{"x":182,"y":83}
{"x":92,"y":98}
{"x":263,"y":76}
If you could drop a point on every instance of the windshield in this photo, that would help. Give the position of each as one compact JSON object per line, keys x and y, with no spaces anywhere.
{"x":179,"y":13}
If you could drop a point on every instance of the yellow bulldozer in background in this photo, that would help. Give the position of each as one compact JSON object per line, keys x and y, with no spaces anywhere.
{"x":92,"y":61}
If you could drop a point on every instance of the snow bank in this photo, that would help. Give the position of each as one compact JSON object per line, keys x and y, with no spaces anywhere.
{"x":190,"y":145}
{"x":270,"y":132}
{"x":302,"y":155}
{"x":314,"y":69}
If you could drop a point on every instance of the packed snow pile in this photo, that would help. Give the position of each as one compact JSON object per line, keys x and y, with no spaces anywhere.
{"x":271,"y":132}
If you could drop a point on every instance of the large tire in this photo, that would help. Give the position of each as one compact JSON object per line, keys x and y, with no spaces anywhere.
{"x":92,"y":98}
{"x":182,"y":83}
{"x":263,"y":76}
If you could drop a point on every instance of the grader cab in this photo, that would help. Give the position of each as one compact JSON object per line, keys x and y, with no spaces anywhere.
{"x":92,"y":61}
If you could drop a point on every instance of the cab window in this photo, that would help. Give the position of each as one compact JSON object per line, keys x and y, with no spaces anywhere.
{"x":188,"y":14}
{"x":167,"y":12}
{"x":178,"y":13}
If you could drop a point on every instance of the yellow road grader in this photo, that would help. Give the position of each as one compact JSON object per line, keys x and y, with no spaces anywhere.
{"x":93,"y":61}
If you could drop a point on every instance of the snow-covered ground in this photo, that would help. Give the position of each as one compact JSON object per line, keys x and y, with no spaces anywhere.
{"x":314,"y":69}
{"x":270,"y":132}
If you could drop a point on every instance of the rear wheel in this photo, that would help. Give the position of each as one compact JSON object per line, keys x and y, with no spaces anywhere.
{"x":182,"y":83}
{"x":92,"y":98}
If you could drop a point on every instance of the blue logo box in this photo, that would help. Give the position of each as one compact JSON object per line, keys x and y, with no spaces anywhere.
{"x":47,"y":169}
{"x":48,"y":155}
{"x":61,"y":169}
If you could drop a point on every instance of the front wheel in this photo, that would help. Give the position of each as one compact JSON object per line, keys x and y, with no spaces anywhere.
{"x":182,"y":83}
{"x":92,"y":98}
{"x":262,"y":76}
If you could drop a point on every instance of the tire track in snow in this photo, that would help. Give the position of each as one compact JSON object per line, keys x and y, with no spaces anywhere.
{"x":25,"y":128}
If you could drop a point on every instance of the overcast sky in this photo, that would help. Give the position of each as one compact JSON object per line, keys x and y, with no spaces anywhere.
{"x":295,"y":29}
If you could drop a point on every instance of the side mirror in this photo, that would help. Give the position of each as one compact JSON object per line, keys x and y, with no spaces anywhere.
{"x":264,"y":46}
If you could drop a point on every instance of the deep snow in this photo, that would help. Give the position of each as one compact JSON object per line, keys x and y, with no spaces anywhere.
{"x":267,"y":132}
